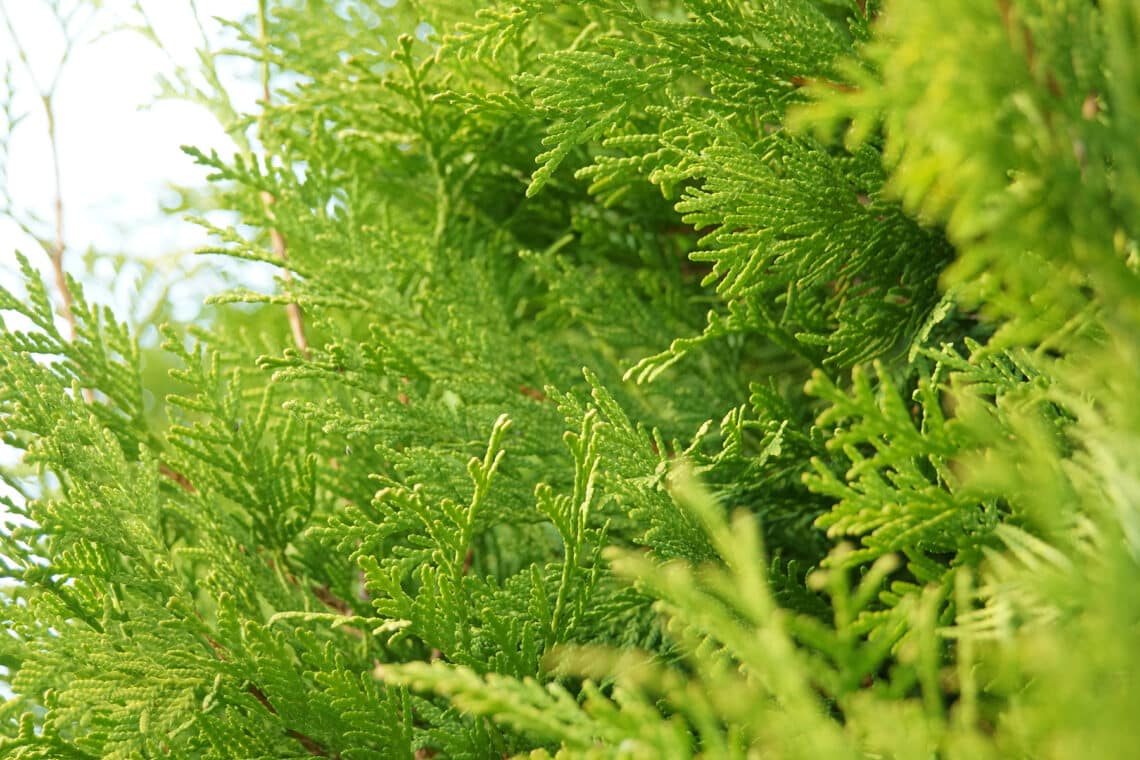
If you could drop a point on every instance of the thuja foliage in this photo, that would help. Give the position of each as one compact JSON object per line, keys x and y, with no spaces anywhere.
{"x":678,"y":379}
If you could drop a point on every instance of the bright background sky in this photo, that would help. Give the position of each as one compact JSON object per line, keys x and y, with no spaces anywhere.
{"x":118,"y":144}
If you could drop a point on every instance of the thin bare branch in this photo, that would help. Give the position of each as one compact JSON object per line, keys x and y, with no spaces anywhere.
{"x":280,"y":249}
{"x":47,"y":97}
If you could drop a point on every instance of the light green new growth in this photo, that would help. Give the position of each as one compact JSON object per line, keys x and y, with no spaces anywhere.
{"x":682,"y":379}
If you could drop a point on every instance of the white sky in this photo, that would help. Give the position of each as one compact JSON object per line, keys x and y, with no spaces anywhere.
{"x":119,"y":148}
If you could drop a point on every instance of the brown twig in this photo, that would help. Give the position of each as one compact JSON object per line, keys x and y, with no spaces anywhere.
{"x":68,"y":301}
{"x":1015,"y":28}
{"x":533,"y":393}
{"x":59,"y":247}
{"x":47,"y":99}
{"x":280,"y":249}
{"x":802,"y":81}
{"x":311,"y":745}
{"x":181,"y":480}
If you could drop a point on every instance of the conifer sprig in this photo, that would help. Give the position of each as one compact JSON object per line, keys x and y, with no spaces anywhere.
{"x":679,"y":380}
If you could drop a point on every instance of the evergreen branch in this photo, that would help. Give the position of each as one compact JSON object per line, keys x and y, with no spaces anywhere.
{"x":884,"y":271}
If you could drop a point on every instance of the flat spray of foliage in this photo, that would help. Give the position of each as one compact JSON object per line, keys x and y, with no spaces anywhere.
{"x":679,"y":379}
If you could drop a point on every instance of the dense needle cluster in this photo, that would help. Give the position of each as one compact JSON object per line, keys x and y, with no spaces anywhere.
{"x":680,"y":379}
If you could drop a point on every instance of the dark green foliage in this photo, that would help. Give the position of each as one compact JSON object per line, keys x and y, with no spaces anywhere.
{"x":633,"y":421}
